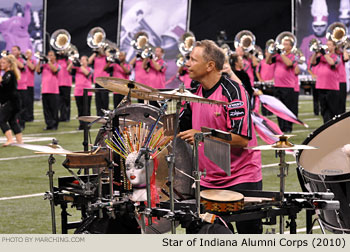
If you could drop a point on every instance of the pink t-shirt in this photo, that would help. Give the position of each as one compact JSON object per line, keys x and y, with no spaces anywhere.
{"x":341,"y":70}
{"x":235,"y":118}
{"x":49,"y":80}
{"x":64,"y":78}
{"x":247,"y":67}
{"x":327,"y":75}
{"x":99,"y":64}
{"x":141,"y":75}
{"x":186,"y":78}
{"x":22,"y":82}
{"x":284,"y":75}
{"x":30,"y":74}
{"x":157,"y":78}
{"x":265,"y":70}
{"x":119,"y":72}
{"x":82,"y":81}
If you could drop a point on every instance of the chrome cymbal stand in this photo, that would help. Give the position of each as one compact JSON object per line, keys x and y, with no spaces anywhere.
{"x":282,"y":175}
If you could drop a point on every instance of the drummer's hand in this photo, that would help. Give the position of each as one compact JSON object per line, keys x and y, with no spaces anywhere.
{"x":188,"y":135}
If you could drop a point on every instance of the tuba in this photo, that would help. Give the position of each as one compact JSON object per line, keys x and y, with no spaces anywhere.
{"x":337,"y":33}
{"x":246,"y":40}
{"x":61,"y":41}
{"x":286,"y":36}
{"x":141,"y":45}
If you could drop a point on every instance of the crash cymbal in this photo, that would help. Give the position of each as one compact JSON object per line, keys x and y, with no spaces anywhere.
{"x":122,"y":121}
{"x":185,"y":95}
{"x":44,"y":149}
{"x":273,"y":147}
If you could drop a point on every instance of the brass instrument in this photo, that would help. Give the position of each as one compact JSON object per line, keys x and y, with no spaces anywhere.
{"x":227,"y":50}
{"x":299,"y":56}
{"x":141,"y":45}
{"x":186,"y":44}
{"x":246,"y":40}
{"x":5,"y":53}
{"x":61,"y":41}
{"x":180,"y":60}
{"x":315,"y":45}
{"x":337,"y":33}
{"x":41,"y":57}
{"x":96,"y":39}
{"x":270,"y":46}
{"x":285,"y":36}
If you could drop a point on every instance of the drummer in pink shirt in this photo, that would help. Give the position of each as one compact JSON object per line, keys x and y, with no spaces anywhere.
{"x":120,"y":69}
{"x":98,"y":60}
{"x":49,"y":89}
{"x":30,"y":73}
{"x":83,"y":79}
{"x":204,"y":66}
{"x":327,"y":82}
{"x":21,"y":84}
{"x":284,"y":78}
{"x":65,"y":87}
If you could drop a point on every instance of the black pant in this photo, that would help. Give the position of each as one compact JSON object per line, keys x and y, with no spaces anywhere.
{"x":287,"y":97}
{"x":50,"y":106}
{"x":9,"y":118}
{"x":295,"y":109}
{"x":329,"y":100}
{"x":117,"y":98}
{"x":23,"y":112}
{"x":80,"y":105}
{"x":316,"y":101}
{"x":102,"y":100}
{"x":64,"y":105}
{"x":30,"y":105}
{"x":342,"y":100}
{"x":250,"y":226}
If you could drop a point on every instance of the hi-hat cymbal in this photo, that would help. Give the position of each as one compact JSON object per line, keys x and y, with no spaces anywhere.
{"x":44,"y":149}
{"x":122,"y":121}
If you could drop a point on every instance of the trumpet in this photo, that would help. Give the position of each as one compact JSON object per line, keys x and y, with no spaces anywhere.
{"x":141,"y":45}
{"x":246,"y":40}
{"x":337,"y":33}
{"x":61,"y":41}
{"x":315,"y":45}
{"x":41,"y":57}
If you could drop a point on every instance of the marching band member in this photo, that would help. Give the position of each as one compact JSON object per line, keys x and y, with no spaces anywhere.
{"x":30,"y":72}
{"x":327,"y":82}
{"x":9,"y":100}
{"x":205,"y":66}
{"x":249,"y":63}
{"x":120,"y":69}
{"x":49,"y":89}
{"x":156,"y":69}
{"x":22,"y":84}
{"x":98,"y":60}
{"x":284,"y":78}
{"x":83,"y":76}
{"x":264,"y":72}
{"x":65,"y":86}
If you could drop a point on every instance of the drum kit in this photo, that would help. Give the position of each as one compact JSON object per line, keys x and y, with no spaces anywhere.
{"x":103,"y":192}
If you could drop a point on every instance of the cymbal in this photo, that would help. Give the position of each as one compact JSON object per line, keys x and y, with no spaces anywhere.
{"x":122,"y":121}
{"x":42,"y":149}
{"x":273,"y":147}
{"x":185,"y":95}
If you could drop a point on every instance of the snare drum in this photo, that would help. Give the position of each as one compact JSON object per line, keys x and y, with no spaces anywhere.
{"x":328,"y":168}
{"x":221,"y":201}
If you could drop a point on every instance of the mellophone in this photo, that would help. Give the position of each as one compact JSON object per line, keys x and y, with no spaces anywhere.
{"x":102,"y":193}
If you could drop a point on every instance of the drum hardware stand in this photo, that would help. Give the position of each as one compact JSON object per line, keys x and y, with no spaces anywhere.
{"x":144,"y":150}
{"x":282,"y":175}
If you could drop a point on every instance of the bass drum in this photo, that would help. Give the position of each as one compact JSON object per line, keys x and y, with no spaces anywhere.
{"x":328,"y":169}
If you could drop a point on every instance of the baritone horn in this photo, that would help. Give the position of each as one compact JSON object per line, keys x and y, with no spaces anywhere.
{"x":61,"y":41}
{"x":337,"y":33}
{"x":141,"y":45}
{"x":286,"y":36}
{"x":246,"y":40}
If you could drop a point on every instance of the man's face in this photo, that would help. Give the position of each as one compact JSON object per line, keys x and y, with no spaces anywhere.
{"x":158,"y":52}
{"x":287,"y":45}
{"x":29,"y":54}
{"x":84,"y":60}
{"x":319,"y":29}
{"x":122,"y":56}
{"x":15,"y":51}
{"x":197,"y":66}
{"x":52,"y":57}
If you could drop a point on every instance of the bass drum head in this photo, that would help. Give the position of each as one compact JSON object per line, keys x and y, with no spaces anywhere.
{"x":328,"y":169}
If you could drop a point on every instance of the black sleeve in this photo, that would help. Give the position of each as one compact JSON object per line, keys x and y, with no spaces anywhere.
{"x":185,"y":118}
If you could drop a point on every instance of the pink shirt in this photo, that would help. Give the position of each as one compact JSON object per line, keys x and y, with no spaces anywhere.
{"x":186,"y":78}
{"x":141,"y":75}
{"x":49,"y":80}
{"x":30,"y":75}
{"x":82,"y":81}
{"x":341,"y":70}
{"x":235,"y":118}
{"x":284,"y":76}
{"x":64,"y":78}
{"x":99,"y":64}
{"x":22,"y":82}
{"x":327,"y":76}
{"x":247,"y":67}
{"x":119,"y":72}
{"x":265,"y":70}
{"x":157,"y":78}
